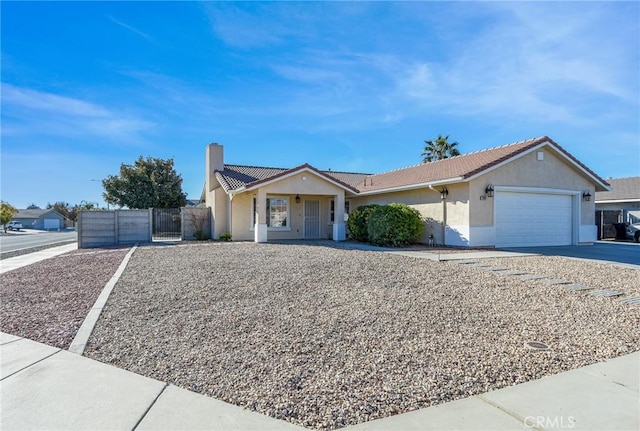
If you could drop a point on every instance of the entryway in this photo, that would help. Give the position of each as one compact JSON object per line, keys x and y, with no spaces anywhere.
{"x":311,"y":219}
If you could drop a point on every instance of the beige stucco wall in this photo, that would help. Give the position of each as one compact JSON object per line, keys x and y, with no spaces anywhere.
{"x":430,"y":206}
{"x":553,"y":173}
{"x":219,"y":212}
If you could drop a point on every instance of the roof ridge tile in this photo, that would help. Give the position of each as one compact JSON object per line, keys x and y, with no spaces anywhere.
{"x":255,"y":167}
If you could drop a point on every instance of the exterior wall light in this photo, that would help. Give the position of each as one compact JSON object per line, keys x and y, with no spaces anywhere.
{"x":586,"y":196}
{"x":297,"y":199}
{"x":444,"y":193}
{"x":489,"y":190}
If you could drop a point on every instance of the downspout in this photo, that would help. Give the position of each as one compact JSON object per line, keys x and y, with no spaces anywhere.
{"x":444,"y":215}
{"x":230,"y":214}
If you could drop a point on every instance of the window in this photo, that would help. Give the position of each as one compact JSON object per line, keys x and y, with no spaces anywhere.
{"x":332,"y":216}
{"x":277,"y":209}
{"x":277,"y":212}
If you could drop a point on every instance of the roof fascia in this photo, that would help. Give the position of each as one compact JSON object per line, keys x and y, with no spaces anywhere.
{"x":535,"y":148}
{"x":616,"y":201}
{"x":413,"y":186}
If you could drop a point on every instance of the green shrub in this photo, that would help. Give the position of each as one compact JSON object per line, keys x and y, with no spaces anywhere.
{"x":226,"y":236}
{"x":395,"y":225}
{"x":200,"y":235}
{"x":359,"y":221}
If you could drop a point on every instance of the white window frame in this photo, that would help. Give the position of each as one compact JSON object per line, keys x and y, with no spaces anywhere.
{"x":347,"y":210}
{"x":271,"y":228}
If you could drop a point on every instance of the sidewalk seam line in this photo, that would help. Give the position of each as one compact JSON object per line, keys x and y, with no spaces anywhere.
{"x":606,"y":379}
{"x":79,"y":343}
{"x":507,"y":411}
{"x":31,"y":365}
{"x":153,"y":403}
{"x":12,"y":341}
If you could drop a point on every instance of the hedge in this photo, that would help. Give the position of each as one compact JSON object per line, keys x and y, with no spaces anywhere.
{"x":394,"y":225}
{"x":358,"y":222}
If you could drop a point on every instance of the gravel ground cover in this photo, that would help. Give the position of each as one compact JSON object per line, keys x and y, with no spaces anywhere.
{"x":325,"y":338}
{"x":47,"y":301}
{"x":589,"y":273}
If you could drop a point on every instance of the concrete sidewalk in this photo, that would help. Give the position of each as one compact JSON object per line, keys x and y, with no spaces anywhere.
{"x":27,"y":259}
{"x":42,"y":387}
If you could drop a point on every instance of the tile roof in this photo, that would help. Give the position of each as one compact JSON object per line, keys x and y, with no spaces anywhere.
{"x":236,"y":176}
{"x":458,"y":168}
{"x":623,"y":189}
{"x":453,"y":169}
{"x":34,"y":213}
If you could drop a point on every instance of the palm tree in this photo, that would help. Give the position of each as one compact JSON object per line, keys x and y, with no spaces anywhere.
{"x":439,"y":149}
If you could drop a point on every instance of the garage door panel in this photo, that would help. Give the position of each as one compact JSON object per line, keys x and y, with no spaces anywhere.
{"x":530,"y":219}
{"x":51,"y":223}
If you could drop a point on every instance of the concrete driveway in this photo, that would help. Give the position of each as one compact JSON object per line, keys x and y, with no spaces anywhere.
{"x":623,"y":253}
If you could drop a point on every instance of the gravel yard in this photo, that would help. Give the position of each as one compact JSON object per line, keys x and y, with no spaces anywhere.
{"x":327,"y":337}
{"x":48,"y":301}
{"x":592,"y":274}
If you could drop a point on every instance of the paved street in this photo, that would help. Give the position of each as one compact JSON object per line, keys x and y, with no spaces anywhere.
{"x":30,"y":238}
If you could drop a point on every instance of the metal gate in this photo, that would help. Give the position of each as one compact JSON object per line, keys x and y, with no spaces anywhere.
{"x":606,"y":221}
{"x":311,"y":219}
{"x":167,"y":224}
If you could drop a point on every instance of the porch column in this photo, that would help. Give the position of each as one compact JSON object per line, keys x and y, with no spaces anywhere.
{"x":339,"y":232}
{"x":261,"y":217}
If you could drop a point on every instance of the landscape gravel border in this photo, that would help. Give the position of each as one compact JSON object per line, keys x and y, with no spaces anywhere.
{"x":81,"y":339}
{"x":47,"y":301}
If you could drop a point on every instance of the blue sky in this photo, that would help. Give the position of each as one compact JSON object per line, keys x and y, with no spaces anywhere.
{"x":351,"y":86}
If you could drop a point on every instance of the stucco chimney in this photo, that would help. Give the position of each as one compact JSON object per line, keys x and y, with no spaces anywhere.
{"x":215,"y":162}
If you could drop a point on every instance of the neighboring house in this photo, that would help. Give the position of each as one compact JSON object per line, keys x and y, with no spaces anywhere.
{"x":624,"y":197}
{"x":528,"y":193}
{"x":40,"y":219}
{"x":192,"y":202}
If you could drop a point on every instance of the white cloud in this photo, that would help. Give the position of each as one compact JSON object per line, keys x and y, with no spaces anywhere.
{"x":131,"y":28}
{"x":28,"y":112}
{"x":240,"y":28}
{"x":532,"y":61}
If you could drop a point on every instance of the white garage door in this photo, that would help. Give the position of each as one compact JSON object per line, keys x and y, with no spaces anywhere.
{"x":51,"y":223}
{"x":533,"y":219}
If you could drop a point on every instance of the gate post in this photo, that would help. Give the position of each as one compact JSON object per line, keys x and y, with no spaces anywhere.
{"x":79,"y":229}
{"x":150,"y":224}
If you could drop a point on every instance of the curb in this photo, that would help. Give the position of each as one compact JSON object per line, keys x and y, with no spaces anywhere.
{"x":81,"y":339}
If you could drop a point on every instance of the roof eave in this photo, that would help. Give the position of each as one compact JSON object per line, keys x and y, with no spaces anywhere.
{"x":616,"y":201}
{"x":559,"y":150}
{"x":413,"y":186}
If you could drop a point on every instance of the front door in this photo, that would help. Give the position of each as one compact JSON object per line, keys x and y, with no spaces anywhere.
{"x":311,"y":219}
